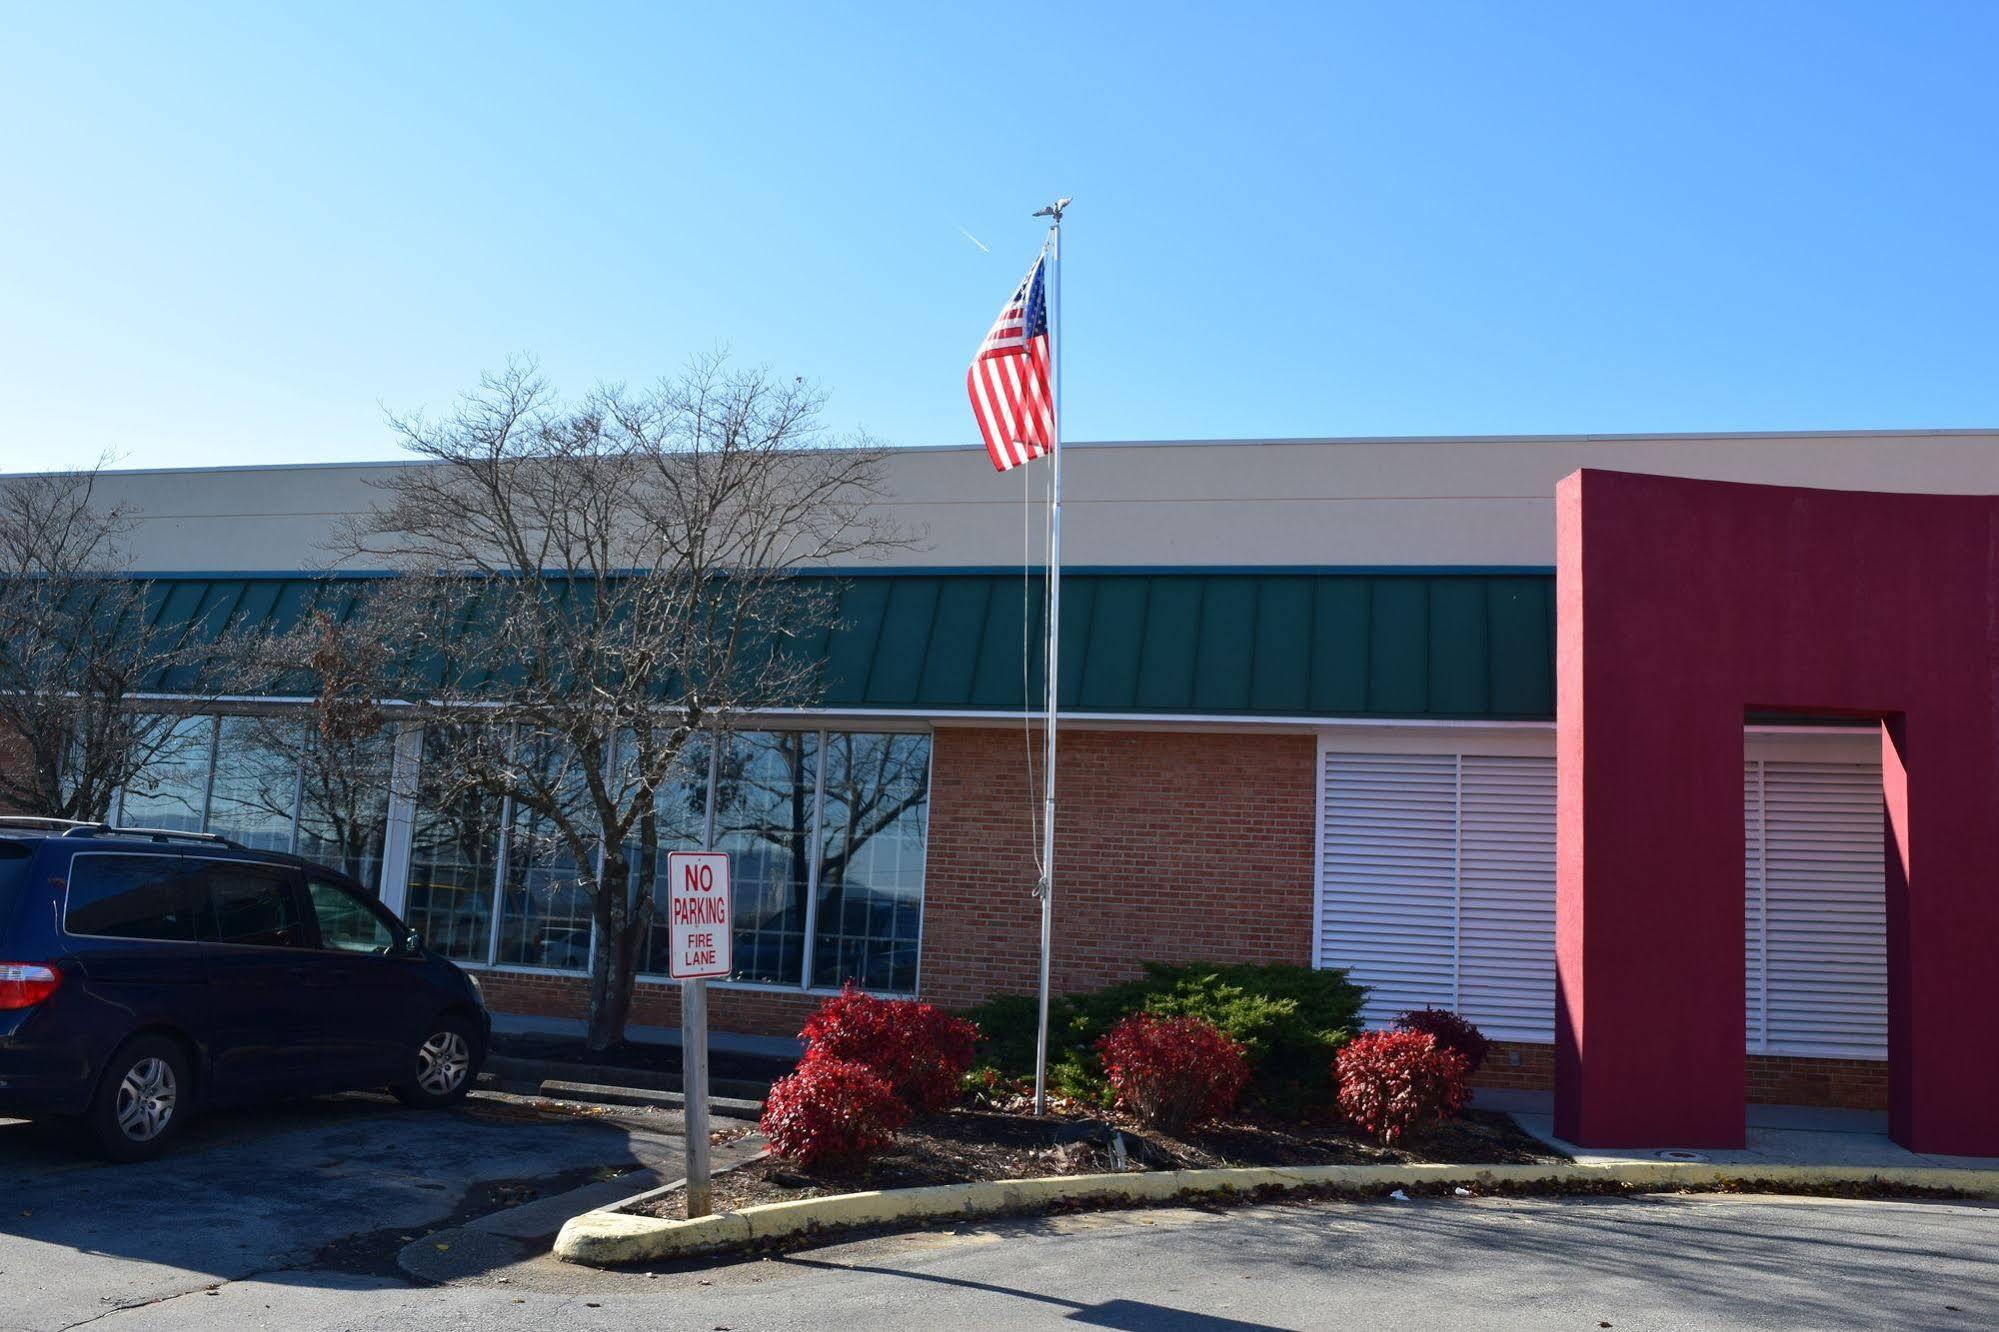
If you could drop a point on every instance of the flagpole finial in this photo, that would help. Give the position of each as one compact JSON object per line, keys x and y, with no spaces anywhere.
{"x":1054,"y":211}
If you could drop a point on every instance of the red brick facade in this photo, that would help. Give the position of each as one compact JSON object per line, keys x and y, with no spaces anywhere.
{"x":1857,"y":1084}
{"x":1148,"y":819}
{"x":1517,"y":1066}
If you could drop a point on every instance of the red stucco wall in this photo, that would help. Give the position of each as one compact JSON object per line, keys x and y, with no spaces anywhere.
{"x":1682,"y":605}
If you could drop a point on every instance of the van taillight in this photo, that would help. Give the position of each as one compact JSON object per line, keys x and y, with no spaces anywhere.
{"x":25,"y":984}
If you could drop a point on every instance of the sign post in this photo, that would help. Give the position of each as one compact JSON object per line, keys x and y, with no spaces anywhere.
{"x":699,"y":938}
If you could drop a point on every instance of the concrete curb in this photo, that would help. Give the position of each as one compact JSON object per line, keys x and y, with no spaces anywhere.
{"x":534,"y":1072}
{"x":722,"y":1107}
{"x":609,"y":1238}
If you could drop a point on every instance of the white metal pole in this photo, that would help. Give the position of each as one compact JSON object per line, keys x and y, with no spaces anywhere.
{"x":694,"y":1037}
{"x":1053,"y":680}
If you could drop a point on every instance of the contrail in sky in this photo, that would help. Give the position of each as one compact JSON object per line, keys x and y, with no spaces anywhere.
{"x":973,"y":239}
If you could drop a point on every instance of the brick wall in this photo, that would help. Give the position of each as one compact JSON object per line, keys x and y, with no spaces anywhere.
{"x":1146,"y":822}
{"x":1857,"y":1084}
{"x":1852,"y":1084}
{"x":751,"y":1012}
{"x":1517,"y":1066}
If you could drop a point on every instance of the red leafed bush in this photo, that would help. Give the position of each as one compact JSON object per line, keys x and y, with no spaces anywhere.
{"x":831,"y":1112}
{"x":920,"y":1050}
{"x":1173,"y":1072}
{"x":1453,"y":1032}
{"x":1393,"y":1081}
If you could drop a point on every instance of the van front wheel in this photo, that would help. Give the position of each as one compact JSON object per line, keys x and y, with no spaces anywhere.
{"x":443,"y":1066}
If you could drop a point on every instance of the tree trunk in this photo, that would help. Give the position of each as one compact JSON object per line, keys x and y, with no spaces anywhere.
{"x":611,"y":971}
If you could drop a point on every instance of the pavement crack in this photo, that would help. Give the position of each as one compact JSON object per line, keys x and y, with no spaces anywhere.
{"x":161,"y":1298}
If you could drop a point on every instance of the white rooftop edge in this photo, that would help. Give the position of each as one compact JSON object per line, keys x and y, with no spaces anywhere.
{"x":1462,"y":501}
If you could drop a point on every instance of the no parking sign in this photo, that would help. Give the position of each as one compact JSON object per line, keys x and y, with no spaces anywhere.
{"x":697,"y":913}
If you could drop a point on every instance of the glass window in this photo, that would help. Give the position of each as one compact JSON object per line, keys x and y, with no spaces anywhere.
{"x":764,"y":789}
{"x":14,"y":858}
{"x":131,"y":897}
{"x":872,"y":830}
{"x":251,"y":904}
{"x":256,"y":781}
{"x":544,"y":908}
{"x":455,"y":847}
{"x":680,"y":807}
{"x":172,"y":790}
{"x":346,"y":923}
{"x":343,"y":813}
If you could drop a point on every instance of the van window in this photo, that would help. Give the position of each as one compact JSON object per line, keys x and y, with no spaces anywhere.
{"x":346,"y":922}
{"x":251,"y":904}
{"x":14,"y":858}
{"x":130,"y":897}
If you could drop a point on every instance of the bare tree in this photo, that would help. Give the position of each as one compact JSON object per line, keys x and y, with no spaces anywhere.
{"x":587,"y":588}
{"x":80,"y":649}
{"x":333,"y":766}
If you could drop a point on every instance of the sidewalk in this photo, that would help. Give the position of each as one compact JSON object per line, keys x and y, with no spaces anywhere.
{"x":1778,"y":1135}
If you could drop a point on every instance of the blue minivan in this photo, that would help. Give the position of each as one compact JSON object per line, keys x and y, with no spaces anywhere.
{"x":146,"y":974}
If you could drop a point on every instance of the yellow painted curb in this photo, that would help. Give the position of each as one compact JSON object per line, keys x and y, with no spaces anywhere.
{"x":609,"y":1238}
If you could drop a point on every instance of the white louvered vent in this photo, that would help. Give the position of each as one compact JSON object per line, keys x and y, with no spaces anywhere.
{"x":1506,"y":883}
{"x":1826,"y":970}
{"x":1388,"y":877}
{"x":1437,"y":886}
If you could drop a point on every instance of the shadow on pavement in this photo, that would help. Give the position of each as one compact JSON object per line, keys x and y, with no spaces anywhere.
{"x":333,"y":1186}
{"x":1124,"y":1315}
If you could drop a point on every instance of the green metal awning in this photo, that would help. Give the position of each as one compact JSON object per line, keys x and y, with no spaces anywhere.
{"x":1285,"y":643}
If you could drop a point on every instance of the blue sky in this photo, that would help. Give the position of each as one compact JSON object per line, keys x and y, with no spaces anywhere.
{"x":233,"y":235}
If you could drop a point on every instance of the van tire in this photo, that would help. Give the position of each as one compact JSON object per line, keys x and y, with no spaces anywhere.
{"x":443,"y":1066}
{"x":143,"y":1100}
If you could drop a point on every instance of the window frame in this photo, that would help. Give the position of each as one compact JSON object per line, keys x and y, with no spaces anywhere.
{"x":801,"y":985}
{"x":388,"y":879}
{"x":404,"y":813}
{"x":811,"y":920}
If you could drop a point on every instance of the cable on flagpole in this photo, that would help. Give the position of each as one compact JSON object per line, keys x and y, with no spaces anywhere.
{"x":1026,"y":639}
{"x":1026,"y":666}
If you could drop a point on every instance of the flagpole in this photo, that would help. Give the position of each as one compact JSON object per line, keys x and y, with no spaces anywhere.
{"x":1052,"y":676}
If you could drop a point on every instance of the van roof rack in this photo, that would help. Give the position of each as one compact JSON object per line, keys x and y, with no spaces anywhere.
{"x":156,"y":835}
{"x":63,"y":826}
{"x":86,"y":828}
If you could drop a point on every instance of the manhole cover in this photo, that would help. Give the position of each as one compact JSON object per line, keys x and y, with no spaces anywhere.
{"x":1679,"y":1154}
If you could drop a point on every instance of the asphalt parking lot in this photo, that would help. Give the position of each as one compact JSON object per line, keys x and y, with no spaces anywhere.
{"x":1656,"y":1263}
{"x":324,"y":1191}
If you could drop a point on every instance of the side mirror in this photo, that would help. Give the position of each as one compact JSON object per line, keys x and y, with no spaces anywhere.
{"x":412,"y":942}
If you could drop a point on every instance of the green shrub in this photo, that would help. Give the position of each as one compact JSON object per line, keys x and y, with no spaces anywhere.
{"x":1006,"y":1033}
{"x":1289,"y":1020}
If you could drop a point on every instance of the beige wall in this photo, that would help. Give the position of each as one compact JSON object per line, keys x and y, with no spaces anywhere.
{"x":1477,"y":501}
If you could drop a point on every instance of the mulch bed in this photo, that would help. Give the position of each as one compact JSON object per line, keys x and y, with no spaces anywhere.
{"x":967,"y":1145}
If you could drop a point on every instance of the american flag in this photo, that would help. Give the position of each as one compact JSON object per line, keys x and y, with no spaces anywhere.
{"x":1012,"y":397}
